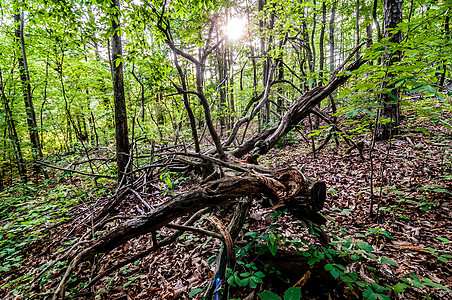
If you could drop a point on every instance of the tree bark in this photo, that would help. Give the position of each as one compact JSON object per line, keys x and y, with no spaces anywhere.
{"x":332,"y":45}
{"x":286,"y":187}
{"x":357,"y":26}
{"x":121,"y":129}
{"x":321,"y":44}
{"x":390,"y":113}
{"x":26,"y":89}
{"x":191,"y":116}
{"x":13,"y":134}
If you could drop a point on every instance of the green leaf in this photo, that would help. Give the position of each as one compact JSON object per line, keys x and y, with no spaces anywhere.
{"x":131,"y":279}
{"x":257,"y":279}
{"x":352,"y":113}
{"x":273,"y":248}
{"x":444,"y":241}
{"x":293,"y":293}
{"x":267,"y":295}
{"x":423,"y":130}
{"x":367,"y":111}
{"x":443,"y":259}
{"x":347,"y":279}
{"x":365,"y":246}
{"x":374,"y":292}
{"x":399,"y":288}
{"x":194,"y":292}
{"x":447,"y":125}
{"x":259,"y":274}
{"x":387,"y":260}
{"x":429,"y":282}
{"x":253,"y":284}
{"x":231,"y":280}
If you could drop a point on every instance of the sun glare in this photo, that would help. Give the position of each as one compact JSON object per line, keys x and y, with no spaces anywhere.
{"x":235,"y":28}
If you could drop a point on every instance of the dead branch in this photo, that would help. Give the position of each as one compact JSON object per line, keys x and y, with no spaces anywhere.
{"x":297,"y":111}
{"x":73,"y":171}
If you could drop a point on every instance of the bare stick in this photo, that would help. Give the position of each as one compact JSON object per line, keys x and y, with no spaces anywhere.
{"x":73,"y":171}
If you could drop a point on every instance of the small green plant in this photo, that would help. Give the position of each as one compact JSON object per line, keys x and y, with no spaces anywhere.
{"x":375,"y":291}
{"x":288,"y":139}
{"x":378,"y":232}
{"x":169,"y":183}
{"x":417,"y":283}
{"x":250,"y":277}
{"x":293,"y":293}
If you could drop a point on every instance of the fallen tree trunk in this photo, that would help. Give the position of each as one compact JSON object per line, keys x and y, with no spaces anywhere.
{"x":288,"y":187}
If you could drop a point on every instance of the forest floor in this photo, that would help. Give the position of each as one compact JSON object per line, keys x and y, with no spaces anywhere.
{"x":409,"y":243}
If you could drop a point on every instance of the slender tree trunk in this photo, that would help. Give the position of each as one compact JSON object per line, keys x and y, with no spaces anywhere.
{"x":357,"y":27}
{"x":377,"y":24}
{"x":222,"y":81}
{"x":314,"y":25}
{"x":308,"y":50}
{"x":231,"y":88}
{"x":390,"y":113}
{"x":191,"y":116}
{"x":26,"y":88}
{"x":444,"y":64}
{"x":13,"y":134}
{"x":121,"y":133}
{"x":332,"y":45}
{"x":280,"y":101}
{"x":374,"y":16}
{"x":207,"y":114}
{"x":321,"y":44}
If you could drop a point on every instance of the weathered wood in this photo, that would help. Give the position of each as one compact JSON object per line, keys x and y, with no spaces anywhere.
{"x":288,"y":187}
{"x":299,"y":109}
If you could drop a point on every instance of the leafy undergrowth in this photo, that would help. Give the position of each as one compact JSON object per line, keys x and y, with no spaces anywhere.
{"x":404,"y":252}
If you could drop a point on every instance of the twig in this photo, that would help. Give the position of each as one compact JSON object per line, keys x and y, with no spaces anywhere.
{"x":213,"y":160}
{"x":72,"y":171}
{"x":149,"y":207}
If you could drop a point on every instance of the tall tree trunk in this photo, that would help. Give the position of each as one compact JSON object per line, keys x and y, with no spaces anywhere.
{"x":321,"y":44}
{"x":191,"y":116}
{"x":314,"y":25}
{"x":13,"y":134}
{"x":121,"y":130}
{"x":444,"y":64}
{"x":307,"y":48}
{"x":26,"y":89}
{"x":357,"y":27}
{"x":231,"y":88}
{"x":280,"y":101}
{"x":390,"y":113}
{"x":374,"y":16}
{"x":332,"y":45}
{"x":222,"y":82}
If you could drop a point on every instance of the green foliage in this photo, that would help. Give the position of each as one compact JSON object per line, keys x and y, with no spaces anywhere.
{"x":293,"y":293}
{"x":374,"y":292}
{"x":288,"y":139}
{"x":25,"y":211}
{"x":251,"y":277}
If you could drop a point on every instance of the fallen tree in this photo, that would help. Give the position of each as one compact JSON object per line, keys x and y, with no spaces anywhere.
{"x":288,"y":188}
